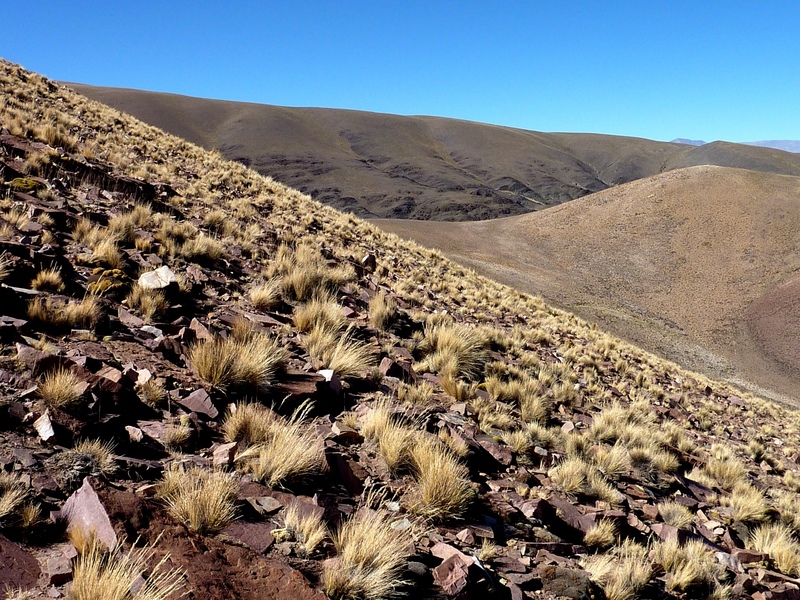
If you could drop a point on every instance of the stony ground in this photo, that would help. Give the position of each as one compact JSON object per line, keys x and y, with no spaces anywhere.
{"x":496,"y":447}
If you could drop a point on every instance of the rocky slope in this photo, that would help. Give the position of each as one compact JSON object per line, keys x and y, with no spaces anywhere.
{"x":276,"y":399}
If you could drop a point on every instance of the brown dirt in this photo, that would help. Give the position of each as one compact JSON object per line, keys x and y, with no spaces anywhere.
{"x":677,"y":263}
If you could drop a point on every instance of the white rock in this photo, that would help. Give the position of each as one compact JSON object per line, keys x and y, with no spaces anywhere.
{"x":159,"y":279}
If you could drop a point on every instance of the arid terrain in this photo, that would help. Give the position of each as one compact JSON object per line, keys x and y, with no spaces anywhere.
{"x":379,"y":165}
{"x":213,"y":386}
{"x":699,"y":264}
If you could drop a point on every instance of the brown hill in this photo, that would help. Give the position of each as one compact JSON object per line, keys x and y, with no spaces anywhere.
{"x":699,"y":264}
{"x":379,"y":165}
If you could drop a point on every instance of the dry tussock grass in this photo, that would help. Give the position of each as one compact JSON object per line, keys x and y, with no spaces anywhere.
{"x":452,"y":349}
{"x":622,"y":572}
{"x":13,"y":495}
{"x":341,"y":352}
{"x":307,"y":528}
{"x":49,"y":280}
{"x":267,"y":295}
{"x":152,"y":303}
{"x":323,"y":312}
{"x":229,"y":364}
{"x":443,"y":488}
{"x":690,"y":566}
{"x":60,"y":388}
{"x":102,"y":575}
{"x":289,"y":451}
{"x":382,"y":311}
{"x":50,"y":311}
{"x":370,"y":559}
{"x":203,"y":500}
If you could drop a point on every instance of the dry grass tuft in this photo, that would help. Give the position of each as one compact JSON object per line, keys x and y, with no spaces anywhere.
{"x":267,"y":295}
{"x":370,"y":560}
{"x":323,"y":312}
{"x":689,"y":566}
{"x":453,"y":350}
{"x":152,"y":303}
{"x":290,"y":451}
{"x":443,"y":486}
{"x":13,"y":494}
{"x":675,"y":514}
{"x":777,"y":541}
{"x":382,"y":311}
{"x":60,"y":388}
{"x":602,"y":535}
{"x":307,"y":528}
{"x":48,"y":279}
{"x":331,"y":349}
{"x":230,"y":364}
{"x":100,"y":575}
{"x":152,"y":393}
{"x":97,"y":455}
{"x":623,"y":572}
{"x":84,"y":314}
{"x":249,"y":424}
{"x":203,"y":500}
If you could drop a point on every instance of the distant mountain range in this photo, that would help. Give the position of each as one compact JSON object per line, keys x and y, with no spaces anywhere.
{"x":785,"y":145}
{"x":380,"y":165}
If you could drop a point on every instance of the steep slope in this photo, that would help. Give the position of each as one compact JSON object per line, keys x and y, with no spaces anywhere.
{"x":683,"y":263}
{"x":379,"y":165}
{"x":279,"y":400}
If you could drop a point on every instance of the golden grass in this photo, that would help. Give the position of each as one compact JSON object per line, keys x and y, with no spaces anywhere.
{"x":152,"y":393}
{"x":152,"y":303}
{"x":60,"y":388}
{"x":623,"y":572}
{"x":102,"y":575}
{"x":575,"y":476}
{"x":322,"y":312}
{"x":777,"y":541}
{"x":49,"y":280}
{"x":303,"y":272}
{"x":415,"y":394}
{"x":602,"y":535}
{"x":453,"y":349}
{"x":443,"y":489}
{"x":689,"y":566}
{"x":307,"y":528}
{"x":748,"y":503}
{"x":13,"y":494}
{"x":675,"y":514}
{"x":266,"y":295}
{"x":83,"y":314}
{"x":203,"y":500}
{"x":248,"y":423}
{"x":370,"y":559}
{"x":230,"y":364}
{"x":341,"y":352}
{"x":382,"y":311}
{"x":99,"y":453}
{"x":290,"y":451}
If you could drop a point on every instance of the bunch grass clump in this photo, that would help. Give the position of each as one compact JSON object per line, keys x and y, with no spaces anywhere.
{"x":203,"y":500}
{"x":345,"y":355}
{"x":290,"y":448}
{"x":370,"y":559}
{"x":100,"y":574}
{"x":60,"y":388}
{"x":248,"y":361}
{"x":452,"y":349}
{"x":83,"y":314}
{"x":443,"y":488}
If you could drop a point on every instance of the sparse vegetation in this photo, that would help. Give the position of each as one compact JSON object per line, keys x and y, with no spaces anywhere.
{"x":60,"y":388}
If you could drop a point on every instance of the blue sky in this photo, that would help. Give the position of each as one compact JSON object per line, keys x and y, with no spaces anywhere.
{"x":705,"y":70}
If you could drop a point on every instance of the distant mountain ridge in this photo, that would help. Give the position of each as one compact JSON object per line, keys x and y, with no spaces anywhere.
{"x":785,"y":145}
{"x":382,"y":165}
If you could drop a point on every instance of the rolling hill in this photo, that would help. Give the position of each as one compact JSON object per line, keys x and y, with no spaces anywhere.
{"x":379,"y":165}
{"x":700,"y":264}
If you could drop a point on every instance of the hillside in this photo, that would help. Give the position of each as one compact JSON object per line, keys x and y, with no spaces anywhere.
{"x":275,"y":399}
{"x":379,"y":165}
{"x":689,"y":264}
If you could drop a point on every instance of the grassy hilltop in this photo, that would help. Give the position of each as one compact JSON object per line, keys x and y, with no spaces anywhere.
{"x":277,"y":399}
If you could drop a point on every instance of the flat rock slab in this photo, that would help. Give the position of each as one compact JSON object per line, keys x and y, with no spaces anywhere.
{"x":85,"y":511}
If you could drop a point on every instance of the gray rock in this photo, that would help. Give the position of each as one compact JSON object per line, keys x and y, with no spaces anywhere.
{"x":160,"y":279}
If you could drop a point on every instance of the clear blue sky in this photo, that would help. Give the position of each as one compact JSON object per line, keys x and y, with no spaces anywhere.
{"x":657,"y":69}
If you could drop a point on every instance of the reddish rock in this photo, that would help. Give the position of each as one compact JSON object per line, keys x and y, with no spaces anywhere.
{"x":452,"y":575}
{"x":19,"y":567}
{"x":257,"y":536}
{"x":83,"y":510}
{"x":200,"y":402}
{"x":749,"y":556}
